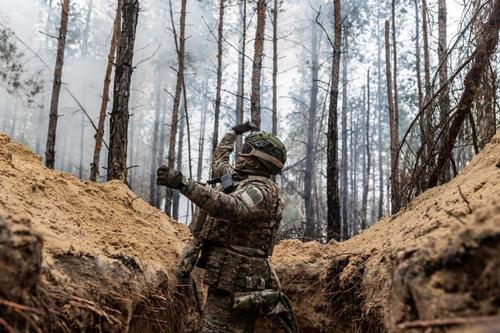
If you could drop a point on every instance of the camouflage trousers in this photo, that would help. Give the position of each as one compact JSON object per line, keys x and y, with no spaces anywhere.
{"x":219,"y":316}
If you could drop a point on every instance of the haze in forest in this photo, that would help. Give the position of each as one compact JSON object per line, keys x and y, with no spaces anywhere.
{"x":305,"y":33}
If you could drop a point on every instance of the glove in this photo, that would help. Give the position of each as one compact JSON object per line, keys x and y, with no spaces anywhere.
{"x":245,"y":127}
{"x":172,"y":178}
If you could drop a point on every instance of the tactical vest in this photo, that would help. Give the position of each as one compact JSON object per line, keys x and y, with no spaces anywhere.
{"x":254,"y":238}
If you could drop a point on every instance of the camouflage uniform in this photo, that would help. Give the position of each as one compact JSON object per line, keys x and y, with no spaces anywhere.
{"x":238,"y":237}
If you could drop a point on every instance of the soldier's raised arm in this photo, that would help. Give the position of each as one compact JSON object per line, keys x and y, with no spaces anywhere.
{"x":220,"y":161}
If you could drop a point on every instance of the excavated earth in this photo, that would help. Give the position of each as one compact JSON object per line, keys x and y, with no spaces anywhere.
{"x":80,"y":256}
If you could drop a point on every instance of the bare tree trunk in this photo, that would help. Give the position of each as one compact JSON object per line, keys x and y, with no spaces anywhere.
{"x":419,"y":76}
{"x":275,"y":68}
{"x":180,"y":147}
{"x":366,"y":179}
{"x":444,"y":97}
{"x":178,"y":90}
{"x":332,"y":168}
{"x":240,"y":100}
{"x":427,"y":80}
{"x":220,"y":37}
{"x":395,"y":200}
{"x":153,"y":189}
{"x":485,"y":103}
{"x":484,"y":50}
{"x":395,"y":66}
{"x":309,"y":172}
{"x":56,"y":88}
{"x":343,"y":168}
{"x":118,"y":142}
{"x":94,"y":170}
{"x":379,"y":127}
{"x":257,"y":62}
{"x":201,"y":138}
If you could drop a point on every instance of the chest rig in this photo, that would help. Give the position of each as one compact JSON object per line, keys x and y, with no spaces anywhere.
{"x":255,"y":237}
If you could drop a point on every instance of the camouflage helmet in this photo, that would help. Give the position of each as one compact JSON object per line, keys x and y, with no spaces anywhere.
{"x":270,"y":151}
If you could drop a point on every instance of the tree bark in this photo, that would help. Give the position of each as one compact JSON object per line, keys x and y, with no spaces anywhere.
{"x":309,"y":171}
{"x":153,"y":189}
{"x":485,"y":48}
{"x":395,"y":200}
{"x":220,"y":37}
{"x":94,"y":169}
{"x":395,"y":66}
{"x":343,"y":168}
{"x":419,"y":76}
{"x":257,"y":62}
{"x":444,"y":97}
{"x":366,"y":179}
{"x":379,"y":127}
{"x":180,"y":147}
{"x":427,"y":81}
{"x":240,"y":99}
{"x":180,"y":46}
{"x":56,"y":88}
{"x":201,"y":138}
{"x":332,"y":168}
{"x":118,"y":142}
{"x":275,"y":68}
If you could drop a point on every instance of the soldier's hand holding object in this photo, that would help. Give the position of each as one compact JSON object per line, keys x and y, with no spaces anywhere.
{"x":245,"y":127}
{"x":169,"y":177}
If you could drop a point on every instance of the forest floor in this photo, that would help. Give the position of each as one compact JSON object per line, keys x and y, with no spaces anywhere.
{"x":76,"y":255}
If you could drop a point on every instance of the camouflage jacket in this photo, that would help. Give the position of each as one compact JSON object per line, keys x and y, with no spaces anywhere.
{"x":242,"y":225}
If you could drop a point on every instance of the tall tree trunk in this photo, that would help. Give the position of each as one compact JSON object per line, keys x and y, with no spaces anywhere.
{"x":427,"y":81}
{"x":180,"y":45}
{"x":419,"y":76}
{"x":161,"y":151}
{"x":444,"y":97}
{"x":395,"y":66}
{"x":86,"y":30}
{"x":240,"y":99}
{"x":42,"y":126}
{"x":257,"y":62}
{"x":85,"y":51}
{"x":379,"y":127}
{"x":484,"y":50}
{"x":343,"y":164}
{"x":153,"y":189}
{"x":332,"y":168}
{"x":366,"y":179}
{"x":118,"y":139}
{"x":485,"y":103}
{"x":309,"y":172}
{"x":395,"y":200}
{"x":275,"y":68}
{"x":94,"y":169}
{"x":180,"y":147}
{"x":201,"y":138}
{"x":50,"y":153}
{"x":220,"y":37}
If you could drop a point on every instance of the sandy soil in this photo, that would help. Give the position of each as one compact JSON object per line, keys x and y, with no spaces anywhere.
{"x":438,"y":258}
{"x":81,"y":256}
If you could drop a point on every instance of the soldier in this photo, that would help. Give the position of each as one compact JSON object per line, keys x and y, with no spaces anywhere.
{"x":239,"y":233}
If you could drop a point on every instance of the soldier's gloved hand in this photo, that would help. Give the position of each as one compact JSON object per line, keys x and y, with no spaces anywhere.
{"x":169,"y":177}
{"x":245,"y":127}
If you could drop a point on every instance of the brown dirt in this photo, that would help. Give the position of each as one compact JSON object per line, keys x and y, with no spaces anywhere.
{"x":108,"y":258}
{"x":106,"y":253}
{"x":438,"y":258}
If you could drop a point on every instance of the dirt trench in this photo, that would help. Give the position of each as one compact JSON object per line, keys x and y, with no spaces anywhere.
{"x":80,"y":256}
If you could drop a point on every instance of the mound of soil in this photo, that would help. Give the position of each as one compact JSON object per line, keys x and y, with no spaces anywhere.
{"x":439,"y":258}
{"x":81,"y":255}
